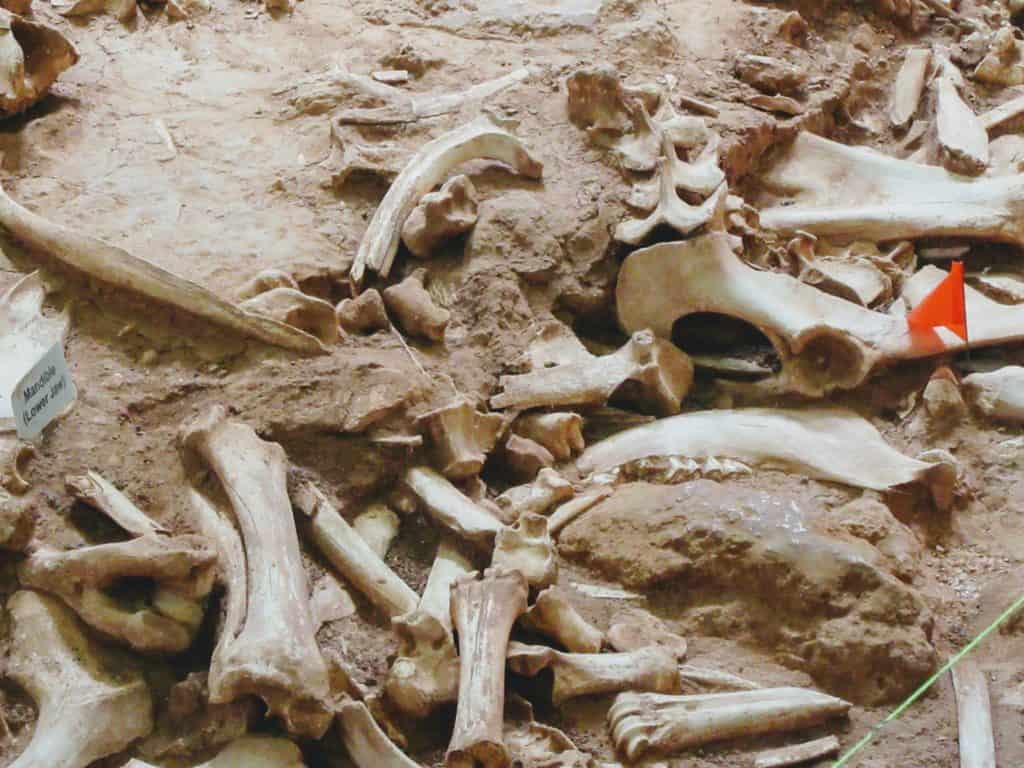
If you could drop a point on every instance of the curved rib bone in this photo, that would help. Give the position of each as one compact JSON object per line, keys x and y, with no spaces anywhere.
{"x":367,"y":745}
{"x":428,"y":168}
{"x":584,"y":674}
{"x":452,"y":509}
{"x":91,"y":703}
{"x":483,"y":611}
{"x":272,"y":652}
{"x":999,"y":394}
{"x":351,"y":555}
{"x":527,"y":547}
{"x":647,"y":722}
{"x":115,"y":266}
{"x":554,"y":616}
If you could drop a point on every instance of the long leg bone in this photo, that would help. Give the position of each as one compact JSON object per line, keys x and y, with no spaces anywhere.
{"x":483,"y":611}
{"x":449,"y":564}
{"x":272,"y":653}
{"x":91,"y":703}
{"x":367,"y":744}
{"x":974,"y":714}
{"x":479,"y":139}
{"x":377,"y":526}
{"x":553,"y":615}
{"x":998,"y":394}
{"x":648,"y":722}
{"x":452,"y":509}
{"x":583,"y":674}
{"x":32,"y":57}
{"x":351,"y":555}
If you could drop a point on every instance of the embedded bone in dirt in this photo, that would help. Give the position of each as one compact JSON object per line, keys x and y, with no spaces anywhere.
{"x":460,"y":437}
{"x":363,"y":314}
{"x":1004,"y":62}
{"x":449,"y":564}
{"x":16,"y":525}
{"x":266,"y":647}
{"x":974,"y":716}
{"x":527,"y":547}
{"x":367,"y":745}
{"x":569,"y":511}
{"x":854,"y":274}
{"x":377,"y":526}
{"x":662,"y":375}
{"x":560,"y":433}
{"x":586,"y":674}
{"x":942,"y":399}
{"x":777,"y":566}
{"x":414,"y":310}
{"x":33,"y":57}
{"x":554,"y":616}
{"x":962,"y":139}
{"x":95,"y":490}
{"x":250,"y":752}
{"x":770,"y":75}
{"x":351,"y":555}
{"x":425,"y":674}
{"x":998,"y":394}
{"x":480,"y":139}
{"x":642,"y":723}
{"x":92,"y":702}
{"x":115,"y":266}
{"x":483,"y":612}
{"x":451,"y":508}
{"x":447,"y":213}
{"x":524,"y":459}
{"x":697,"y":679}
{"x":635,"y":630}
{"x":797,"y":754}
{"x":292,"y":307}
{"x":181,"y":568}
{"x":535,"y":745}
{"x":267,"y":280}
{"x":906,"y":93}
{"x":547,"y":490}
{"x":350,"y":159}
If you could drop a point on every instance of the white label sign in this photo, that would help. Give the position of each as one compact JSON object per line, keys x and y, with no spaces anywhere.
{"x":43,"y":393}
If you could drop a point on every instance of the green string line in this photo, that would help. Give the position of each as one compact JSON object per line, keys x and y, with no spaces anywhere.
{"x":928,"y":683}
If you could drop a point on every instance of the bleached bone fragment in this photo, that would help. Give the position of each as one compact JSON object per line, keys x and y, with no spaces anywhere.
{"x":425,"y":674}
{"x":483,"y":611}
{"x":554,"y":616}
{"x":449,"y":564}
{"x":32,"y":57}
{"x":460,"y":437}
{"x":779,"y":104}
{"x":414,"y":309}
{"x":649,"y":722}
{"x":267,"y":280}
{"x":1004,"y":63}
{"x":367,"y":745}
{"x":597,"y":100}
{"x":662,"y":372}
{"x":586,"y":674}
{"x":560,"y":433}
{"x":527,"y":547}
{"x":974,"y":717}
{"x":292,"y":307}
{"x":856,"y":280}
{"x":797,"y":754}
{"x":16,"y":525}
{"x":115,"y":266}
{"x":998,"y":116}
{"x":267,"y":646}
{"x":824,"y":443}
{"x":351,"y":555}
{"x":704,"y":679}
{"x":480,"y":139}
{"x":963,"y":140}
{"x":181,"y":568}
{"x":906,"y":93}
{"x":641,"y":630}
{"x":569,"y":511}
{"x":377,"y":526}
{"x":548,"y":489}
{"x":451,"y":508}
{"x":525,"y":458}
{"x":998,"y":394}
{"x":96,"y":491}
{"x":440,"y":215}
{"x":363,"y":314}
{"x":92,"y":702}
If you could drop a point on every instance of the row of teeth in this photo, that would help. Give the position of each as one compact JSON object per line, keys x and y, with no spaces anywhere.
{"x":674,"y":469}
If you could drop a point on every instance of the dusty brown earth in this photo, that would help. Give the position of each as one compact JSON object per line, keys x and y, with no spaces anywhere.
{"x":248,"y":186}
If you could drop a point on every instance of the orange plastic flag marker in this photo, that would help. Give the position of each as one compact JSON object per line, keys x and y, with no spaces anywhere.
{"x":945,"y":307}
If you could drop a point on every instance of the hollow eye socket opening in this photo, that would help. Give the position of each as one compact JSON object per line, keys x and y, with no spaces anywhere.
{"x":729,"y":346}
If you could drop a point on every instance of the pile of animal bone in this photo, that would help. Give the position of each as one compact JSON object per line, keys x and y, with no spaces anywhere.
{"x":634,"y":467}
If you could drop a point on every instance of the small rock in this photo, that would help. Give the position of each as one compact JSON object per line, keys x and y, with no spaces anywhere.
{"x":769,"y":75}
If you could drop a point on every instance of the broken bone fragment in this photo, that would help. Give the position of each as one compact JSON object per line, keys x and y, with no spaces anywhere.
{"x":293,"y":307}
{"x":96,"y":491}
{"x":425,"y":674}
{"x":367,"y":745}
{"x":554,"y":616}
{"x":449,"y":563}
{"x":363,"y":314}
{"x":571,"y":510}
{"x":797,"y":753}
{"x":974,"y":716}
{"x":181,"y":567}
{"x":697,"y":679}
{"x":536,"y":745}
{"x":560,"y":433}
{"x":250,"y":752}
{"x":640,"y":630}
{"x":32,"y":57}
{"x":906,"y":93}
{"x":998,"y":394}
{"x":585,"y":674}
{"x":266,"y":647}
{"x":525,"y":458}
{"x":414,"y":309}
{"x":642,"y":723}
{"x":770,"y":75}
{"x":447,"y":213}
{"x":92,"y":702}
{"x":1004,"y":62}
{"x":962,"y":139}
{"x":660,"y":376}
{"x":483,"y":612}
{"x":547,"y":490}
{"x":527,"y":547}
{"x":942,"y":399}
{"x":377,"y":526}
{"x":460,"y":437}
{"x":452,"y":509}
{"x":480,"y":139}
{"x":267,"y":280}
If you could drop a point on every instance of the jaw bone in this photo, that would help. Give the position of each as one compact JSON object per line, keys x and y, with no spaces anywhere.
{"x":33,"y":56}
{"x":367,"y":745}
{"x":461,"y":437}
{"x":267,"y":647}
{"x":583,"y":674}
{"x":554,"y":616}
{"x":91,"y":703}
{"x":998,"y":394}
{"x":452,"y":509}
{"x":824,"y":443}
{"x":662,"y":372}
{"x":483,"y":611}
{"x":647,"y":722}
{"x":527,"y":547}
{"x":479,"y":139}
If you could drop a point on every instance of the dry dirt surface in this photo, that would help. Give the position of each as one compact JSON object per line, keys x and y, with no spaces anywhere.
{"x":213,"y":147}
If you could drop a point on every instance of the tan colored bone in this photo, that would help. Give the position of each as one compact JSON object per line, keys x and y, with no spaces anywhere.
{"x":450,"y":508}
{"x":527,"y":547}
{"x":569,"y":511}
{"x":425,"y":674}
{"x":646,"y":722}
{"x":367,"y":745}
{"x":998,"y":394}
{"x":460,"y":437}
{"x":292,"y":307}
{"x":584,"y":674}
{"x":906,"y":93}
{"x":697,"y":679}
{"x":1004,"y":63}
{"x":963,"y":140}
{"x":267,"y":646}
{"x":377,"y":526}
{"x":640,"y":630}
{"x":250,"y":752}
{"x":449,"y":564}
{"x":483,"y":612}
{"x":32,"y":57}
{"x":974,"y":717}
{"x":363,"y":314}
{"x":524,"y":458}
{"x":414,"y":309}
{"x":560,"y":433}
{"x":351,"y":555}
{"x":547,"y":490}
{"x":267,"y":280}
{"x":480,"y":139}
{"x":92,"y":702}
{"x":535,"y":745}
{"x":447,"y":213}
{"x":664,"y":375}
{"x":798,"y":753}
{"x":96,"y":491}
{"x":554,"y":616}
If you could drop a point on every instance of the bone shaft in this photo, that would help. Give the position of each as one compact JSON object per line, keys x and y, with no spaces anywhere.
{"x":974,"y":716}
{"x":452,"y":509}
{"x":448,"y":565}
{"x":569,"y":511}
{"x":909,"y":84}
{"x":798,"y":753}
{"x":93,"y":489}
